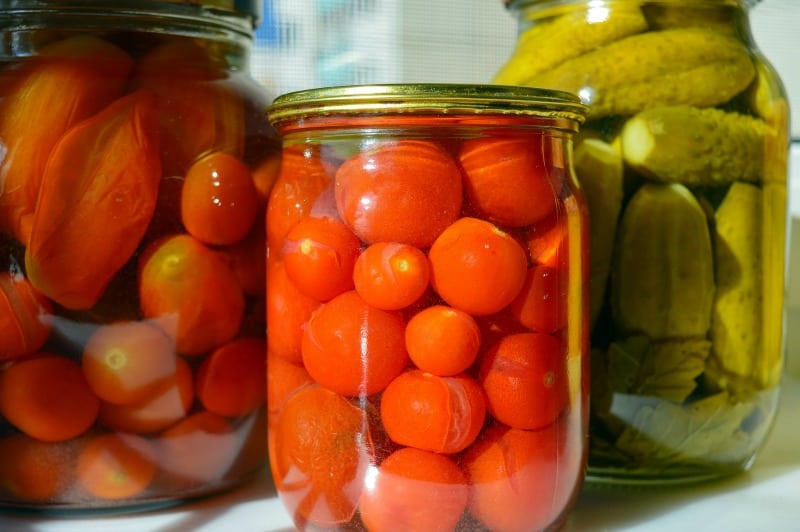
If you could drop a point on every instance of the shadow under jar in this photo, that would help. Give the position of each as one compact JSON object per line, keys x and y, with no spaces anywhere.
{"x":135,"y":169}
{"x":427,"y":308}
{"x":683,"y":160}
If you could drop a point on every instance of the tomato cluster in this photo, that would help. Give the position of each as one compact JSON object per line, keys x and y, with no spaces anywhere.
{"x":425,"y":338}
{"x":132,"y":271}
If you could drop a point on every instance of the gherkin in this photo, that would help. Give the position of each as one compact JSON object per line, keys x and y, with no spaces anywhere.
{"x":692,"y":66}
{"x":599,"y":169}
{"x":548,"y":43}
{"x":663,"y":277}
{"x":694,"y":146}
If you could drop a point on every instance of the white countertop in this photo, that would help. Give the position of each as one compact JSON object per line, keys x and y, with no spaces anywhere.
{"x":766,"y":498}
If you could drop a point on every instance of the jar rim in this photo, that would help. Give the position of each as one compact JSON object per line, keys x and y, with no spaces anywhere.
{"x":426,"y":99}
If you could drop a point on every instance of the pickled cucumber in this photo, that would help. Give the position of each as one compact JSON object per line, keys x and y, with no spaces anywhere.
{"x":662,"y":282}
{"x":600,"y":173}
{"x":767,"y":98}
{"x":694,"y":146}
{"x":773,"y":281}
{"x":717,"y":18}
{"x":546,"y":44}
{"x":736,"y":325}
{"x":692,"y":66}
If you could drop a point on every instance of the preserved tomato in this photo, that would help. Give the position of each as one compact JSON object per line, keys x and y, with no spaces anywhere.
{"x":137,"y":164}
{"x":425,"y":307}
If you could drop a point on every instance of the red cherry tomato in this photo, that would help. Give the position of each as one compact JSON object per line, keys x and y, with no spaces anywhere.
{"x":219,"y":200}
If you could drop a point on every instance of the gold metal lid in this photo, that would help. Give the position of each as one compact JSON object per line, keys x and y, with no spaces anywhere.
{"x":425,"y":99}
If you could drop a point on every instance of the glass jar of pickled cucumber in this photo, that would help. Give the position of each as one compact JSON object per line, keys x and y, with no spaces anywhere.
{"x":683,"y":161}
{"x":135,"y":164}
{"x":427,"y":308}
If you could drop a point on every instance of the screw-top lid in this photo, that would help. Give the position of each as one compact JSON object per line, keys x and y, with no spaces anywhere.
{"x":440,"y":99}
{"x":251,"y":9}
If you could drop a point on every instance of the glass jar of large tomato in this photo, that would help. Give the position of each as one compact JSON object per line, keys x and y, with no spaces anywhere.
{"x":135,"y":166}
{"x":426,"y":308}
{"x":683,"y":161}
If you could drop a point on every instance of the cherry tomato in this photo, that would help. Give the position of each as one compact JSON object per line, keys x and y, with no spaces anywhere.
{"x":506,"y":180}
{"x":231,"y":381}
{"x":443,"y":340}
{"x":353,"y":348}
{"x":301,"y":180}
{"x":219,"y":200}
{"x":391,"y":276}
{"x":405,"y":192}
{"x":319,"y":254}
{"x":438,"y":414}
{"x":542,"y":303}
{"x":191,"y":292}
{"x":525,"y":379}
{"x":127,"y":362}
{"x":288,"y":310}
{"x":521,"y":479}
{"x":476,"y":267}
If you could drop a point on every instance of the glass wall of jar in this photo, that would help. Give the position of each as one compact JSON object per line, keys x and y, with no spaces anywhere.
{"x":426,"y":308}
{"x":683,"y":161}
{"x":135,"y":168}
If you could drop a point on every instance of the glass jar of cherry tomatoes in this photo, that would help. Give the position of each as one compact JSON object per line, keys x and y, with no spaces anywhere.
{"x":135,"y":169}
{"x":427,"y":308}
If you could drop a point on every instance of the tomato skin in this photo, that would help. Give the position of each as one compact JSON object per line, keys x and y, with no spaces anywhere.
{"x":116,"y":465}
{"x":171,"y":403}
{"x":127,"y":362}
{"x":352,"y":348}
{"x":443,"y":340}
{"x":46,"y":397}
{"x":25,"y":317}
{"x":231,"y":381}
{"x":191,"y":292}
{"x":476,"y":267}
{"x":415,"y":490}
{"x":219,"y":202}
{"x":506,"y":180}
{"x":33,"y":470}
{"x":197,"y":114}
{"x":301,"y":180}
{"x":525,"y":381}
{"x":319,"y":254}
{"x":320,"y":447}
{"x":391,"y":276}
{"x":541,"y":304}
{"x":520,"y":479}
{"x":83,"y":74}
{"x":437,"y":414}
{"x":288,"y":310}
{"x":116,"y":187}
{"x":406,"y":192}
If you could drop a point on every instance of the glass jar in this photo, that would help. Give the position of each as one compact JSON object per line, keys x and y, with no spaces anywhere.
{"x":136,"y":163}
{"x":427,"y":349}
{"x":683,"y":161}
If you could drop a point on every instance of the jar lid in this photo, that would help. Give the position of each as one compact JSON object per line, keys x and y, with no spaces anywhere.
{"x":252,"y":9}
{"x":425,"y":99}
